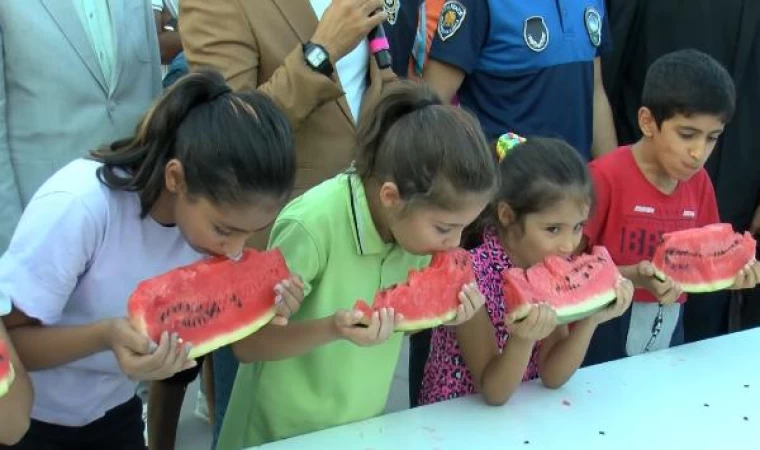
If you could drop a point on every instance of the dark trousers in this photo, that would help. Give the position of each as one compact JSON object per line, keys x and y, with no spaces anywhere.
{"x":419,"y":349}
{"x":120,"y":429}
{"x":706,"y":315}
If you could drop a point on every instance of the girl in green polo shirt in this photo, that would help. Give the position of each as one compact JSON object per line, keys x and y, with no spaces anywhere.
{"x":423,"y":172}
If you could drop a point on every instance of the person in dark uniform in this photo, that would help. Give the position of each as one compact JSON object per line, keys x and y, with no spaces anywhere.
{"x":727,"y":30}
{"x":401,"y":28}
{"x":532,"y":68}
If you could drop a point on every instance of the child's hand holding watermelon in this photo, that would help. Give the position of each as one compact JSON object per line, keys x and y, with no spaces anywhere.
{"x":748,"y":277}
{"x":289,"y":297}
{"x":665,"y":289}
{"x":623,"y":298}
{"x":140,"y":358}
{"x":471,"y":300}
{"x":537,"y":325}
{"x":382,"y":323}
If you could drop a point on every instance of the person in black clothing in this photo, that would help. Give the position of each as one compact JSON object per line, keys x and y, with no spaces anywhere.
{"x":729,"y":31}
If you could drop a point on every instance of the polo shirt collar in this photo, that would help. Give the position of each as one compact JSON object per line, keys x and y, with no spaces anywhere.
{"x":366,"y":237}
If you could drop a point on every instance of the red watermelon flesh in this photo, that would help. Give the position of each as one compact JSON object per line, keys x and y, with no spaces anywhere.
{"x":575,"y":288}
{"x":704,"y":259}
{"x":210,"y":303}
{"x":429,"y":297}
{"x":6,"y":369}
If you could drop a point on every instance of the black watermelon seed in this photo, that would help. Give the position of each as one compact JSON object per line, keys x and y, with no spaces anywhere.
{"x":746,"y":385}
{"x":706,"y":405}
{"x":601,"y":433}
{"x":746,"y":419}
{"x":526,"y":442}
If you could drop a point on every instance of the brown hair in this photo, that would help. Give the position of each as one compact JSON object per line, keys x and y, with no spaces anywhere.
{"x":430,"y":150}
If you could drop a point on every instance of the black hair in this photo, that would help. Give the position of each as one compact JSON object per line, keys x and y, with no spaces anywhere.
{"x":533,"y":176}
{"x":433,"y":152}
{"x":688,"y":82}
{"x":233,"y":146}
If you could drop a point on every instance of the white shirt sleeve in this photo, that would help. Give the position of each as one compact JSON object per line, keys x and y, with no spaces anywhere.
{"x":53,"y":244}
{"x":158,"y":5}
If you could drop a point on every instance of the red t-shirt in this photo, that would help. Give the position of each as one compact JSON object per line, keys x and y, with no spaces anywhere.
{"x":631,"y":214}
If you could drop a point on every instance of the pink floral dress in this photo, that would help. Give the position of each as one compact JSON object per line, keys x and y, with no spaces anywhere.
{"x":446,"y":375}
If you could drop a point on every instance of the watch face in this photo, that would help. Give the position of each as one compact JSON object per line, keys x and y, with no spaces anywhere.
{"x":316,"y":56}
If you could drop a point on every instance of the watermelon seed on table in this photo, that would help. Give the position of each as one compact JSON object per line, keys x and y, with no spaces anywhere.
{"x":526,"y":442}
{"x":746,"y":386}
{"x":601,"y":433}
{"x":746,"y":419}
{"x":707,"y":405}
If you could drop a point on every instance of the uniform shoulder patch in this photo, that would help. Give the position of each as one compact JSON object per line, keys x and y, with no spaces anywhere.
{"x":593,"y":21}
{"x":451,"y":19}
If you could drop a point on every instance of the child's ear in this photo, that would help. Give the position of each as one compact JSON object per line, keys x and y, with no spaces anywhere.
{"x":174,"y":176}
{"x":647,"y":123}
{"x":390,"y":197}
{"x":505,"y":214}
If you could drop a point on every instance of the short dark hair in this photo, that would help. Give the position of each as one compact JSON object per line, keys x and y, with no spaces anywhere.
{"x":233,"y":146}
{"x":688,"y":82}
{"x":432,"y":151}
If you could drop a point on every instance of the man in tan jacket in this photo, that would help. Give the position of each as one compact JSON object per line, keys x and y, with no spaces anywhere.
{"x":312,"y":57}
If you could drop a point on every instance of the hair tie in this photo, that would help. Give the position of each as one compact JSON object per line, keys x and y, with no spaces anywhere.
{"x":506,"y":143}
{"x":221,"y":91}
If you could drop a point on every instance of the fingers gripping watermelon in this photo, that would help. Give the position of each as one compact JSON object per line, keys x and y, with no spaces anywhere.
{"x":430,"y":297}
{"x":575,"y":289}
{"x":6,"y":369}
{"x":704,"y":259}
{"x":210,"y":303}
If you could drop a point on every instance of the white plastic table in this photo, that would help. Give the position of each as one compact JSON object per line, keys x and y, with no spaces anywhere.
{"x":701,"y":396}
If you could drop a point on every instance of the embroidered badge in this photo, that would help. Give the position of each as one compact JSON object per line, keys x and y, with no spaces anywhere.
{"x":536,"y":33}
{"x":451,"y":18}
{"x":391,"y":8}
{"x":593,"y":21}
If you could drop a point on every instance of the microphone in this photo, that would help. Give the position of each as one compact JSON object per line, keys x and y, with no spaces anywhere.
{"x":378,"y":45}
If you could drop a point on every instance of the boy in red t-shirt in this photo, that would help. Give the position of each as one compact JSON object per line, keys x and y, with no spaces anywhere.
{"x":656,"y":186}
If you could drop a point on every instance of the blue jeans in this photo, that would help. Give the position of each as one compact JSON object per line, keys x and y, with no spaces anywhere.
{"x":177,"y":69}
{"x":225,"y":370}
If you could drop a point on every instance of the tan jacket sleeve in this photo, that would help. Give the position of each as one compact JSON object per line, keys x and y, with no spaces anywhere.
{"x":218,"y":34}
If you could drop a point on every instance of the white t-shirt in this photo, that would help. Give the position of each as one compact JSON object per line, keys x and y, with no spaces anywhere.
{"x":352,"y":68}
{"x":77,"y":254}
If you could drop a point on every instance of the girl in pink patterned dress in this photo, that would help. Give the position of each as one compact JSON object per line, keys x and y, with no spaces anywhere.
{"x":543,"y":202}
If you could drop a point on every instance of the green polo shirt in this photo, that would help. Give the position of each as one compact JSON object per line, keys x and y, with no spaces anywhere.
{"x":328,"y":237}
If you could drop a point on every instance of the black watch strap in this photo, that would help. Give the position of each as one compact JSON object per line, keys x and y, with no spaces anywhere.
{"x":317,"y":58}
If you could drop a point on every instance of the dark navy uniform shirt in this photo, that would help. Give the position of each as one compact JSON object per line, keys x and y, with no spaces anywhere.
{"x":529,"y":65}
{"x":400,"y":29}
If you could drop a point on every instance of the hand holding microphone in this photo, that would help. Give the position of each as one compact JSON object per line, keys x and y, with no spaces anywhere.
{"x":346,"y":22}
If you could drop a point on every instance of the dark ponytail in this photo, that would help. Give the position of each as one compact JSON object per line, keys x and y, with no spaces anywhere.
{"x":433,"y":152}
{"x":232,"y":146}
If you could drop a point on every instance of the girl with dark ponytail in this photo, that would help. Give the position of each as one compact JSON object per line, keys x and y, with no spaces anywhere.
{"x":423,"y":172}
{"x":205,"y":169}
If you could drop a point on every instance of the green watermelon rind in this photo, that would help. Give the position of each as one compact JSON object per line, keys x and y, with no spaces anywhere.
{"x":573,"y":313}
{"x":714,"y":286}
{"x":423,"y":324}
{"x":7,"y":380}
{"x":231,"y":337}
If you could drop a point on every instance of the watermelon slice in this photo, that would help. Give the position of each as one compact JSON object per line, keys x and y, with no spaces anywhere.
{"x":6,"y":369}
{"x":210,"y":303}
{"x":575,"y":288}
{"x":704,"y":259}
{"x":430,"y":297}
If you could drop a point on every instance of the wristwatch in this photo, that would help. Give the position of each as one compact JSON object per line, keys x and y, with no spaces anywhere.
{"x":317,"y":58}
